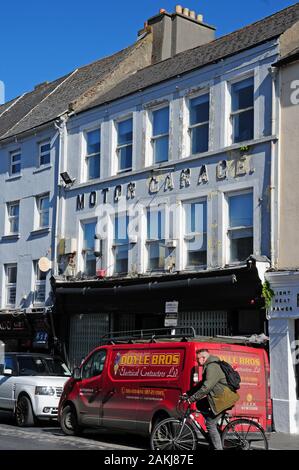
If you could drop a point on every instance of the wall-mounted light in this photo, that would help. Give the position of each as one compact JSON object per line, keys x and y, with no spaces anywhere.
{"x":68,"y":181}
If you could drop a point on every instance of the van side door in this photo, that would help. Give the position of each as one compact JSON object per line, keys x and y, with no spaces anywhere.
{"x":7,"y":399}
{"x":90,"y":389}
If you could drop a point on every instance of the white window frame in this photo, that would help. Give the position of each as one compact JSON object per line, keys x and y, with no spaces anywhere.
{"x":12,"y":164}
{"x":88,"y":156}
{"x":38,"y":284}
{"x":227,"y":244}
{"x":83,"y":171}
{"x":188,"y":99}
{"x":186,"y":236}
{"x":115,"y":245}
{"x":12,"y":217}
{"x":81,"y":258}
{"x":40,"y":212}
{"x":118,"y":147}
{"x":42,"y":153}
{"x":153,"y":139}
{"x":230,"y":114}
{"x":162,"y":206}
{"x":12,"y":285}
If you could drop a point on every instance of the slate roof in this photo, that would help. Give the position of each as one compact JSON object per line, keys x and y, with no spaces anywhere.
{"x":49,"y":101}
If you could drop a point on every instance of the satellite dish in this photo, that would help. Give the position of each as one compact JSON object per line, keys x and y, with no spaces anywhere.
{"x":44,"y":264}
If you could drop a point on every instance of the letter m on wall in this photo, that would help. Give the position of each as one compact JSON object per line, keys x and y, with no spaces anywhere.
{"x":80,"y":202}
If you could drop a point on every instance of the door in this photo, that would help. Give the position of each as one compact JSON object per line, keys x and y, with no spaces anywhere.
{"x":90,"y":389}
{"x":7,"y":384}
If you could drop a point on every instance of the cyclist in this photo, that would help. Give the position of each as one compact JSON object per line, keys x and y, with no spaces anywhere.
{"x":212,"y":395}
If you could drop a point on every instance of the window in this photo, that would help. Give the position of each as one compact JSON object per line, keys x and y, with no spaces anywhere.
{"x":93,"y":154}
{"x":15,"y":163}
{"x":43,"y":208}
{"x":196,"y":233}
{"x":39,"y":285}
{"x":44,"y":153}
{"x":242,"y":114}
{"x":160,"y":137}
{"x":13,"y":217}
{"x":124,"y":145}
{"x":11,"y":285}
{"x":95,"y":365}
{"x":240,"y":230}
{"x":199,"y":123}
{"x":121,"y":244}
{"x":156,"y":248}
{"x":89,"y":230}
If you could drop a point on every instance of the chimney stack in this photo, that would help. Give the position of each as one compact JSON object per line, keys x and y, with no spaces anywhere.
{"x":177,"y":32}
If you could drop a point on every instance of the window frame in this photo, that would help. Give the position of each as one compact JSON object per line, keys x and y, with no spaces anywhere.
{"x":117,"y":244}
{"x":42,"y":153}
{"x":127,"y":144}
{"x":38,"y":283}
{"x":12,"y":217}
{"x":87,"y":156}
{"x":83,"y":250}
{"x":191,"y":127}
{"x":150,"y":242}
{"x":12,"y":164}
{"x":186,"y":236}
{"x":233,"y":114}
{"x":10,"y":285}
{"x":41,"y":212}
{"x":155,"y":138}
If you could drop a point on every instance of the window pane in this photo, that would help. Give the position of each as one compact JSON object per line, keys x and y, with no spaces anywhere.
{"x":121,"y":228}
{"x":93,"y":142}
{"x":121,"y":258}
{"x":93,"y":167}
{"x":89,"y":231}
{"x":199,"y":109}
{"x":241,"y":248}
{"x":156,"y":255}
{"x":161,"y":121}
{"x":197,"y":251}
{"x":125,"y":157}
{"x":14,"y":225}
{"x":241,"y":210}
{"x":45,"y":148}
{"x":242,"y":95}
{"x":155,"y":224}
{"x":90,"y":264}
{"x":16,"y":168}
{"x":125,"y":132}
{"x":13,"y":210}
{"x":16,"y":157}
{"x":44,"y":203}
{"x":200,"y":139}
{"x":45,"y":159}
{"x":161,"y":149}
{"x":196,"y":217}
{"x":243,"y":126}
{"x":12,"y":274}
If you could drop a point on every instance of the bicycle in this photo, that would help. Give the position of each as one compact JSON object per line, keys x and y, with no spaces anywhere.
{"x":237,"y":433}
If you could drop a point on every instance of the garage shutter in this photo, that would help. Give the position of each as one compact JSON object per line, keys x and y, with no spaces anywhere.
{"x":208,"y":323}
{"x":85,"y":333}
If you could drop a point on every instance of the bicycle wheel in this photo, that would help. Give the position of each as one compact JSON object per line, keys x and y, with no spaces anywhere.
{"x":244,"y":434}
{"x":169,"y":434}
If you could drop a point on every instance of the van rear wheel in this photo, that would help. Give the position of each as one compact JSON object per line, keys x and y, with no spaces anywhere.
{"x":69,"y":422}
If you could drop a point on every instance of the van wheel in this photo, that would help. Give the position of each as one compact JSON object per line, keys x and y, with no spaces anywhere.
{"x":24,"y":414}
{"x":69,"y":422}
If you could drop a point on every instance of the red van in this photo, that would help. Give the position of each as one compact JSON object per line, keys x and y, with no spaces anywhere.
{"x":131,"y":386}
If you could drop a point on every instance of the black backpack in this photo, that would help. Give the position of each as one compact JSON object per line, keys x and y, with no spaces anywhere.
{"x":232,"y":376}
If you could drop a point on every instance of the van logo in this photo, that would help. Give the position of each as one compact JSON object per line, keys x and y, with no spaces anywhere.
{"x":116,"y":362}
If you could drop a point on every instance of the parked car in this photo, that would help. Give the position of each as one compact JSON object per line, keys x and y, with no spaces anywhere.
{"x":130,"y":387}
{"x":31,"y":385}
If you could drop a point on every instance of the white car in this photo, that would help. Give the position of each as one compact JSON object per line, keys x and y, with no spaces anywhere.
{"x":31,"y":385}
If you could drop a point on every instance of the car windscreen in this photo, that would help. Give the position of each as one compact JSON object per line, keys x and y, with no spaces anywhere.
{"x":34,"y":365}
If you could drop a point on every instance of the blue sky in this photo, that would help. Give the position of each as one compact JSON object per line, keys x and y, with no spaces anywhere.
{"x":41,"y":40}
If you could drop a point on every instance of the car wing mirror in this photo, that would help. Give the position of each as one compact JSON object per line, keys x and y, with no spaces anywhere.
{"x":76,"y":373}
{"x":7,"y":372}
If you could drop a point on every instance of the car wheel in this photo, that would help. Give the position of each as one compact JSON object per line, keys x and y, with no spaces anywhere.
{"x":24,"y":414}
{"x":69,"y":422}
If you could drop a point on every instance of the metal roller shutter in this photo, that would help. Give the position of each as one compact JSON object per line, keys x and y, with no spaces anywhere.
{"x":207,"y":323}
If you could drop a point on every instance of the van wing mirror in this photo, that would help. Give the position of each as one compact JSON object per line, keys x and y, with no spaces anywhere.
{"x":76,"y":373}
{"x":7,"y":372}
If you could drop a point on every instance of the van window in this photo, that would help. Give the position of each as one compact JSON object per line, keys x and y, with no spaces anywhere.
{"x":95,"y":365}
{"x":8,"y":363}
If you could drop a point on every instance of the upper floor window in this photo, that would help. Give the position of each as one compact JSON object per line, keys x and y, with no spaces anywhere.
{"x":199,"y":123}
{"x":242,"y":113}
{"x":89,"y":231}
{"x":240,"y":226}
{"x":160,"y":136}
{"x":43,"y":208}
{"x":13,"y":209}
{"x":39,"y":284}
{"x":93,"y":154}
{"x":124,"y":144}
{"x":156,"y":248}
{"x":11,"y":284}
{"x":44,"y":153}
{"x":15,"y":163}
{"x":121,"y":244}
{"x":196,"y":233}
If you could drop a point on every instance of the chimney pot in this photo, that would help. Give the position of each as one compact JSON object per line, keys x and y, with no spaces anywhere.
{"x":186,"y":11}
{"x":192,"y":14}
{"x":200,"y":18}
{"x":162,"y":10}
{"x":179,"y":9}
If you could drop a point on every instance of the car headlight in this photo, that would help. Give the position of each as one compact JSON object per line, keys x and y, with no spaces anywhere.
{"x":44,"y":391}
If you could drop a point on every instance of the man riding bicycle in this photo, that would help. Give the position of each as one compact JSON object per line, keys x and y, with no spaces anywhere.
{"x":214,"y":396}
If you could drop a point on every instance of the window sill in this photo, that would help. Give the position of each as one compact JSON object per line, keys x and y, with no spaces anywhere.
{"x":13,"y":236}
{"x":42,"y":168}
{"x":40,"y":231}
{"x":14,"y":177}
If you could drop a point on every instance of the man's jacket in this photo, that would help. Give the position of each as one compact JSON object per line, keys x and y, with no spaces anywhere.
{"x":214,"y":387}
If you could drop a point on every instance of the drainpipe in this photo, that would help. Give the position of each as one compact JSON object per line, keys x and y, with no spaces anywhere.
{"x":275,"y":167}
